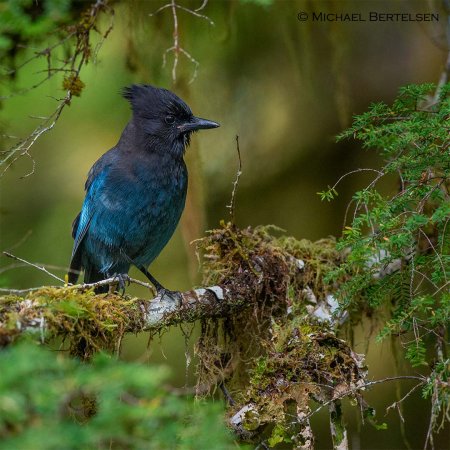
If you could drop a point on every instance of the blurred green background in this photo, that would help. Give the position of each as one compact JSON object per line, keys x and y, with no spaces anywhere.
{"x":285,"y":87}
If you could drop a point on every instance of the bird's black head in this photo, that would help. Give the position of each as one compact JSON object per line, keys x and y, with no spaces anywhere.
{"x":163,"y":116}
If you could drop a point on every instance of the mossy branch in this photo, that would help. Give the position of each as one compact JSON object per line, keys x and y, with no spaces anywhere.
{"x":99,"y":321}
{"x":253,"y":270}
{"x":76,"y":312}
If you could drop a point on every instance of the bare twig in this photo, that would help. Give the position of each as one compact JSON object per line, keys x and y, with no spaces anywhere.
{"x":72,"y":65}
{"x":41,"y":268}
{"x":355,"y":171}
{"x":231,"y":206}
{"x":20,"y":292}
{"x":81,"y":287}
{"x":196,"y":14}
{"x":438,"y":256}
{"x":23,"y":147}
{"x":398,"y":402}
{"x":44,"y":52}
{"x":21,"y":265}
{"x":22,"y":240}
{"x":108,"y":282}
{"x":176,"y":48}
{"x":205,"y":2}
{"x":176,"y":45}
{"x":422,"y":381}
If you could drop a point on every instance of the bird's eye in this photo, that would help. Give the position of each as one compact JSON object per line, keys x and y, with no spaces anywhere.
{"x":170,"y":119}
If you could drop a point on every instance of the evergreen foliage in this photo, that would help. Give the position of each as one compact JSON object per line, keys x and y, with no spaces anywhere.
{"x":399,"y":244}
{"x":49,"y":401}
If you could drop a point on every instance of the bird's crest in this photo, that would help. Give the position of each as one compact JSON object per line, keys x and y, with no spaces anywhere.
{"x":149,"y":101}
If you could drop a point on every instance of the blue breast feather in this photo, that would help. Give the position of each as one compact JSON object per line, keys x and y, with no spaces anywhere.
{"x":128,"y":215}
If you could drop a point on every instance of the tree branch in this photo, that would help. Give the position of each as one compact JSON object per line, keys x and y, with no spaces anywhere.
{"x":155,"y":314}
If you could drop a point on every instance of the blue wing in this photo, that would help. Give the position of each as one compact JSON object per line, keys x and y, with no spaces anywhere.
{"x":80,"y":225}
{"x":94,"y":183}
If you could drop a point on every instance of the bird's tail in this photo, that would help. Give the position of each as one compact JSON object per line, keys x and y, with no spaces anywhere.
{"x":91,"y":274}
{"x":75,"y":268}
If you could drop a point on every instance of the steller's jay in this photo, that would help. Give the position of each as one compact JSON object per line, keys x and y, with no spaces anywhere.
{"x":135,"y":193}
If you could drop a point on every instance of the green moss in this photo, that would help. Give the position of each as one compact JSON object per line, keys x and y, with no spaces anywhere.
{"x":273,"y":353}
{"x":86,"y":322}
{"x":73,"y":84}
{"x":278,"y":436}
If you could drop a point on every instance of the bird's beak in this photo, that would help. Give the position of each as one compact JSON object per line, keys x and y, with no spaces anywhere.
{"x":197,"y":124}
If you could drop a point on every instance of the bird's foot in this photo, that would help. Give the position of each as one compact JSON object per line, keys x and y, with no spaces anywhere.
{"x":174,"y":295}
{"x":122,"y":278}
{"x":161,"y":291}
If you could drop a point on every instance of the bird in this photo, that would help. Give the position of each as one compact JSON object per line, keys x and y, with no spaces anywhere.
{"x":136,"y":191}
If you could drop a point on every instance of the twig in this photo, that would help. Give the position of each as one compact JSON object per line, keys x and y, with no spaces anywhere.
{"x":398,"y":402}
{"x":205,"y":2}
{"x":20,"y":265}
{"x":236,"y":182}
{"x":438,"y":256}
{"x":176,"y":44}
{"x":23,"y":147}
{"x":41,"y":268}
{"x":73,"y":64}
{"x":422,"y":380}
{"x":22,"y":240}
{"x":81,"y":286}
{"x":355,"y":171}
{"x":20,"y":292}
{"x":176,"y":47}
{"x":196,"y":14}
{"x":44,"y":52}
{"x":108,"y":282}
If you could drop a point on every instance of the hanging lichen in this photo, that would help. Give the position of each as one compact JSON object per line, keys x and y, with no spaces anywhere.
{"x":274,"y":353}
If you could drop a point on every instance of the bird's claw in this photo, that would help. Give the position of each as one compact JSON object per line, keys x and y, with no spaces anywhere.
{"x":174,"y":295}
{"x":122,"y":278}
